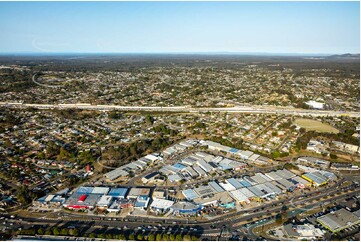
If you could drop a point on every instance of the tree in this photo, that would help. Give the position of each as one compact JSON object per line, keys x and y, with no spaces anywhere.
{"x":276,"y":154}
{"x":56,"y":231}
{"x":172,"y":237}
{"x":48,"y":232}
{"x":41,"y":231}
{"x":165,"y":237}
{"x":187,"y":237}
{"x":333,"y":156}
{"x":74,"y":232}
{"x":151,"y":237}
{"x":132,"y":237}
{"x":121,"y":237}
{"x":278,"y":218}
{"x":64,"y":231}
{"x":179,"y":237}
{"x":140,"y":237}
{"x":158,"y":237}
{"x":92,"y":235}
{"x":194,"y":238}
{"x":23,"y":195}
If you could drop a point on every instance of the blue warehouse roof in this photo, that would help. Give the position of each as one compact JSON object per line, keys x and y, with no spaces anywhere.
{"x":118,"y":192}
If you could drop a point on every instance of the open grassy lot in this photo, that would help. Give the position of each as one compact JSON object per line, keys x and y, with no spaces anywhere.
{"x":318,"y":126}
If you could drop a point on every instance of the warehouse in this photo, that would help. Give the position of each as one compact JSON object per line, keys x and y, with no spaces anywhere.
{"x":200,"y":171}
{"x":218,"y":159}
{"x":258,"y":179}
{"x":236,"y":184}
{"x":100,"y":190}
{"x":204,"y":191}
{"x":315,"y":180}
{"x":266,"y":190}
{"x":227,"y":186}
{"x":142,"y":202}
{"x":175,"y":178}
{"x":178,"y":167}
{"x":215,"y":186}
{"x":250,"y":195}
{"x":288,"y":185}
{"x":250,"y":180}
{"x":205,"y":166}
{"x":186,"y":208}
{"x":161,"y":205}
{"x":313,"y":161}
{"x":104,"y":202}
{"x":273,"y":175}
{"x":244,"y":183}
{"x":245,"y":154}
{"x":300,"y":182}
{"x":82,"y":201}
{"x":151,"y":177}
{"x":191,"y":172}
{"x":118,"y":192}
{"x":135,"y":192}
{"x":204,"y":156}
{"x":166,"y":170}
{"x":287,"y":174}
{"x":153,"y":158}
{"x":266,"y":178}
{"x":115,"y":174}
{"x":189,"y":194}
{"x":239,"y":196}
{"x":273,"y":188}
{"x":280,"y":186}
{"x":84,"y":190}
{"x":188,"y":143}
{"x":338,"y":220}
{"x":160,"y":194}
{"x":189,"y":161}
{"x":257,"y":192}
{"x":219,"y":199}
{"x":169,"y":151}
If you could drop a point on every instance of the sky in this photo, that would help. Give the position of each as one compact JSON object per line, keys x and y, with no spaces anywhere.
{"x":168,"y":27}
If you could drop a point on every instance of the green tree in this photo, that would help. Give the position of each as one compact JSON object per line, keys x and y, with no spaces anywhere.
{"x":56,"y":231}
{"x":140,"y":237}
{"x":165,"y":237}
{"x":179,"y":237}
{"x":131,"y":236}
{"x":187,"y":237}
{"x":194,"y":238}
{"x":41,"y":231}
{"x":64,"y":231}
{"x":158,"y":237}
{"x":276,"y":154}
{"x":333,"y":156}
{"x":92,"y":235}
{"x":172,"y":237}
{"x":151,"y":237}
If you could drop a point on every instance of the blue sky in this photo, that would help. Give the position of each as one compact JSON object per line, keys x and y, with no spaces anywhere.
{"x":273,"y":27}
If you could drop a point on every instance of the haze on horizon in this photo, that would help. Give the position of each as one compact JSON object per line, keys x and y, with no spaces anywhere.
{"x":180,"y":27}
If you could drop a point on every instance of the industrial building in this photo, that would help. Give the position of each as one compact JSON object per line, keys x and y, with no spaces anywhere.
{"x":338,"y":220}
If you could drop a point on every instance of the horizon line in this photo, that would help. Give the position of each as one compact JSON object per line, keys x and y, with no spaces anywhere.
{"x":176,"y":53}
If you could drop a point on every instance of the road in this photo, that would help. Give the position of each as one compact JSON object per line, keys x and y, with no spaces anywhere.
{"x":188,"y":109}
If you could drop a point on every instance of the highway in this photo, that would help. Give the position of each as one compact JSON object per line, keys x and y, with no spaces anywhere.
{"x":188,"y":109}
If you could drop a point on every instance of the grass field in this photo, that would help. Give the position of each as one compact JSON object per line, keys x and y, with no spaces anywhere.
{"x":318,"y":126}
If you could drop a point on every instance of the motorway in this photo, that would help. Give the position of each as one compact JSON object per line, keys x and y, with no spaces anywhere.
{"x":188,"y":109}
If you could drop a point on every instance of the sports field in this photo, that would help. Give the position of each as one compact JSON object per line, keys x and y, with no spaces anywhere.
{"x":318,"y":126}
